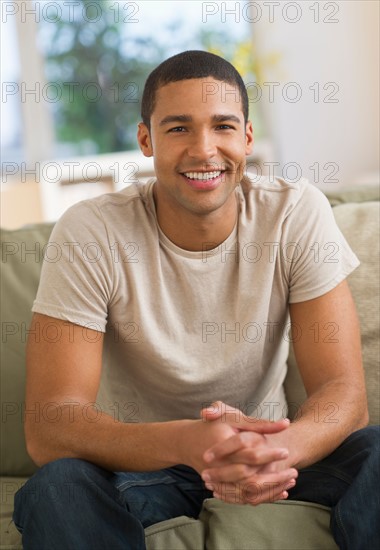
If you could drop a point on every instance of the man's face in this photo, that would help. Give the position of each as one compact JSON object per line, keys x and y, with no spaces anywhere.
{"x":199,"y":142}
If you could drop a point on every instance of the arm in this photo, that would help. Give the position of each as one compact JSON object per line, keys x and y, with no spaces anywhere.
{"x":62,"y":384}
{"x":332,"y":372}
{"x":336,"y":404}
{"x":62,"y":381}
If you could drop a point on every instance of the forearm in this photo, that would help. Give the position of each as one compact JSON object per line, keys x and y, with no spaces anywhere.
{"x":111,"y":444}
{"x":323,"y":421}
{"x":332,"y":372}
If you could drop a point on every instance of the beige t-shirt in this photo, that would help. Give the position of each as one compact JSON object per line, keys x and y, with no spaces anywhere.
{"x":184,"y":328}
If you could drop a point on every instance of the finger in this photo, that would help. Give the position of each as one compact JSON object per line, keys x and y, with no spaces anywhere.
{"x":265,"y":493}
{"x":256,"y":457}
{"x":246,"y":476}
{"x":213,"y":411}
{"x":249,"y":423}
{"x":236,"y":498}
{"x":217,"y":409}
{"x":228,"y":446}
{"x":237,"y":419}
{"x":253,"y":444}
{"x":229,"y":473}
{"x":252,"y":492}
{"x":269,"y":493}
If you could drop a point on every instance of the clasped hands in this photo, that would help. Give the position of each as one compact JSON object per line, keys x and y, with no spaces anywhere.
{"x":249,"y":466}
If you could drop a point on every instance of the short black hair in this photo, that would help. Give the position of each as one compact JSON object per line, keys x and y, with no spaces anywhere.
{"x":187,"y":65}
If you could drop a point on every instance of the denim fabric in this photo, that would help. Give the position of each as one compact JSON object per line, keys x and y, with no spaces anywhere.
{"x":348,"y":481}
{"x":72,"y":504}
{"x":157,"y":496}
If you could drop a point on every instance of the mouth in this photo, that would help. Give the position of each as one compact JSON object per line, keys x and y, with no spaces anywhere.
{"x":203,"y":180}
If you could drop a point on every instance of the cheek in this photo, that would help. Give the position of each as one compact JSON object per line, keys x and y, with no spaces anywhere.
{"x":237,"y":148}
{"x":160,"y":161}
{"x":237,"y":155}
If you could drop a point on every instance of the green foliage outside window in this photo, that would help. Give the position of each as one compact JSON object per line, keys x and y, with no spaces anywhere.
{"x":101,"y":72}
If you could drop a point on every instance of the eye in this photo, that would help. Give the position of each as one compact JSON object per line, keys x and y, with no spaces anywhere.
{"x":225,"y":127}
{"x":177,"y":129}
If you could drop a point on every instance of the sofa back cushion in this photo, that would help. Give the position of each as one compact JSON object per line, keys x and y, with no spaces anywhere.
{"x":22,"y":252}
{"x":359,"y":222}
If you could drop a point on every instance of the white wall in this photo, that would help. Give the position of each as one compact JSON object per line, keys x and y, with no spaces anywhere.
{"x":346,"y":53}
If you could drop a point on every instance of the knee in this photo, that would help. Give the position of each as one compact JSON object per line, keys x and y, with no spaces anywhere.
{"x":367,"y":439}
{"x":58,"y":481}
{"x":370,"y":435}
{"x":63,"y":470}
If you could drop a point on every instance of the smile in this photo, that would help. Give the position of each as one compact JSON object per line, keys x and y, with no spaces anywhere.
{"x":203,"y":176}
{"x":204,"y":181}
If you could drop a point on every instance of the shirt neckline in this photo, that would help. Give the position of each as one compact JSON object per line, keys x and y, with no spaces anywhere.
{"x":198,"y":254}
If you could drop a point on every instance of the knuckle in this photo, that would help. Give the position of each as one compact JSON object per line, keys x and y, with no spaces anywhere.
{"x":243,"y":470}
{"x":244,"y":439}
{"x":254,"y":455}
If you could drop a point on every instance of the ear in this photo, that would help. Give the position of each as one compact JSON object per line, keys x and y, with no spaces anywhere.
{"x":144,"y":141}
{"x":248,"y":138}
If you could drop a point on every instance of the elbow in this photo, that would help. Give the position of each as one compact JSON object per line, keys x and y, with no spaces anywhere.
{"x":365,"y":414}
{"x":42,"y":447}
{"x":361,"y":415}
{"x":35,"y":453}
{"x":34,"y":449}
{"x":37,"y":450}
{"x":364,"y":419}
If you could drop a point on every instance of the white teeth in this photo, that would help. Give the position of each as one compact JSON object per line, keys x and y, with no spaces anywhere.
{"x":202,"y":175}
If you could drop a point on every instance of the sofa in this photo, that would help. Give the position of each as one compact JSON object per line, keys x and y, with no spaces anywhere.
{"x":285,"y":525}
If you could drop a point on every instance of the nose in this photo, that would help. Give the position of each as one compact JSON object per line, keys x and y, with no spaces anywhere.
{"x":202,"y":146}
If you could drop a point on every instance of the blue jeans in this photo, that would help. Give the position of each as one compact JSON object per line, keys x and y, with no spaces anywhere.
{"x":72,"y":504}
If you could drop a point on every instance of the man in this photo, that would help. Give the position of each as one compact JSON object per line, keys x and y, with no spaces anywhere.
{"x":175,"y":295}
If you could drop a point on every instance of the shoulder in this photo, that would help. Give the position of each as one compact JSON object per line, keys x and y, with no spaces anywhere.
{"x":276,"y":192}
{"x":109,"y":208}
{"x":276,"y":201}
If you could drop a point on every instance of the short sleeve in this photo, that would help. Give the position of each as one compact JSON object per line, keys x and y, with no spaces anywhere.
{"x":317,"y":255}
{"x":77,"y":270}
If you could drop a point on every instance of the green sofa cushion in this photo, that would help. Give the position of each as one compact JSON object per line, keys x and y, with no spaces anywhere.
{"x":360,"y":193}
{"x":22,"y":252}
{"x":10,"y":538}
{"x":280,"y":526}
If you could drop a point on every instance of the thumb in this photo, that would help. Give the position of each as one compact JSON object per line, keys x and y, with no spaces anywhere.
{"x":214,"y":411}
{"x":239,"y":421}
{"x":251,"y":424}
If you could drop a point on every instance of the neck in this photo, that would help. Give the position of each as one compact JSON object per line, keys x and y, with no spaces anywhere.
{"x":197,"y":232}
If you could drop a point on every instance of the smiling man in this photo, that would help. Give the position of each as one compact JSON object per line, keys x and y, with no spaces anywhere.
{"x":199,"y":154}
{"x":168,"y":376}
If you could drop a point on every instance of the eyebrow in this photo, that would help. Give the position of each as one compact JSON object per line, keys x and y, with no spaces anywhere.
{"x":188,"y":118}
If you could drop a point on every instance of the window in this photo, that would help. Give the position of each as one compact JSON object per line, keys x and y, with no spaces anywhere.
{"x":87,"y":62}
{"x":97,"y":57}
{"x":79,"y":80}
{"x":12,"y":143}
